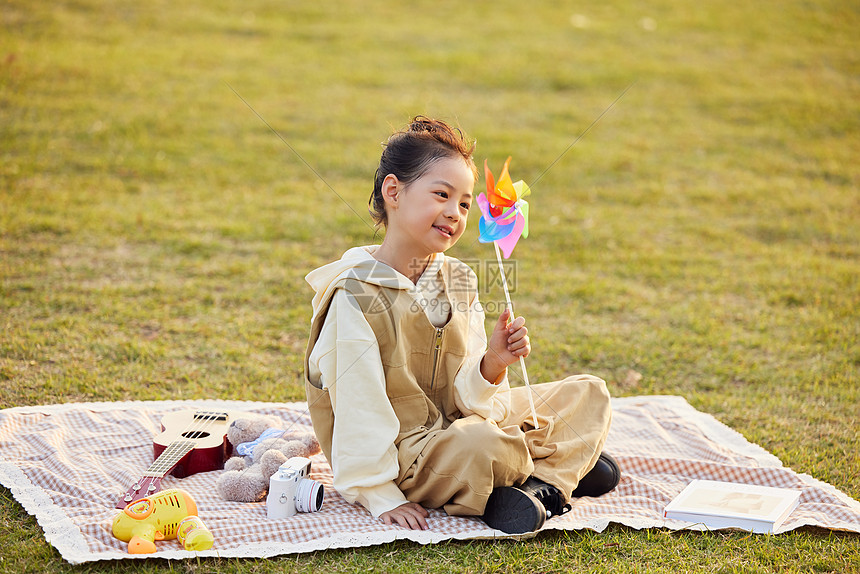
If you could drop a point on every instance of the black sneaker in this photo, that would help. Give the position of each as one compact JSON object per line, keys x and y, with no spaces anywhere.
{"x":514,"y":511}
{"x":605,"y":476}
{"x":549,"y":496}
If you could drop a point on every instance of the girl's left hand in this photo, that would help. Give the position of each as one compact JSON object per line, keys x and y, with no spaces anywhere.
{"x":408,"y":515}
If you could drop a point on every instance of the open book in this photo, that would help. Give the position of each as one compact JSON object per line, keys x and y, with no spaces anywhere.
{"x":759,"y":509}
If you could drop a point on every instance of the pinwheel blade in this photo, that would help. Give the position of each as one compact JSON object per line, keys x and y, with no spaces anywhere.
{"x":508,"y":242}
{"x":491,"y":230}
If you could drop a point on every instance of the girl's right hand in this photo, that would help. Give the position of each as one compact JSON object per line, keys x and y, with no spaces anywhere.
{"x":507,"y":343}
{"x":408,"y":515}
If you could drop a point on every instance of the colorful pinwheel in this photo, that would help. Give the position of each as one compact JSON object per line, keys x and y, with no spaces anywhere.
{"x":504,"y":219}
{"x":504,"y":212}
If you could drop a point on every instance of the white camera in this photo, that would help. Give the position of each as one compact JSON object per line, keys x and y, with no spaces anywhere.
{"x":290,"y":490}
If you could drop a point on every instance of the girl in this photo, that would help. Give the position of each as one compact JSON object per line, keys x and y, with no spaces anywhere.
{"x":410,"y":401}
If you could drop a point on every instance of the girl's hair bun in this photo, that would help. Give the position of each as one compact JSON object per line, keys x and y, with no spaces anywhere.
{"x":425,"y":124}
{"x":443,"y":132}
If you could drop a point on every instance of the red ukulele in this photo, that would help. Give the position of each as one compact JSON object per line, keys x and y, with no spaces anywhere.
{"x":190,"y":442}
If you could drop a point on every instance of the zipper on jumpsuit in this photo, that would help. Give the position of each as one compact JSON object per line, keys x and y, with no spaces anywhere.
{"x":438,"y":345}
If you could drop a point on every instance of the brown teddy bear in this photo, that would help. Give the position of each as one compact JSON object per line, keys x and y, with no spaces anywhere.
{"x":262,"y":446}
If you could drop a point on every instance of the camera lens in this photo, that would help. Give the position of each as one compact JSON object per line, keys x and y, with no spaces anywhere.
{"x":309,"y":495}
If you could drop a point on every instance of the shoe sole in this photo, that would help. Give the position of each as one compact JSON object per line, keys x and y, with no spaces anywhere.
{"x":513,"y":511}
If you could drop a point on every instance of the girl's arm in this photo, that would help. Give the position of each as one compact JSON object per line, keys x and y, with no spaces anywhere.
{"x":364,"y":458}
{"x":476,"y":393}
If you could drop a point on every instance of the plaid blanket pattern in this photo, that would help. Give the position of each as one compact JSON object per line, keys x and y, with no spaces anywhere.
{"x":68,"y":465}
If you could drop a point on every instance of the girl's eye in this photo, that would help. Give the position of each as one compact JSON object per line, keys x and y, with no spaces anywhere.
{"x":465,"y":206}
{"x":442,"y":194}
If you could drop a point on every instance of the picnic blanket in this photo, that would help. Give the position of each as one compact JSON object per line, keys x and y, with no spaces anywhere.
{"x":69,"y":464}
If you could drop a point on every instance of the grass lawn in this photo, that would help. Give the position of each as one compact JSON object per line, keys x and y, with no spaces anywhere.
{"x":701,"y":239}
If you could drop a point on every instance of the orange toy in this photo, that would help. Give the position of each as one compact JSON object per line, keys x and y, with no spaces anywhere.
{"x":158,"y":517}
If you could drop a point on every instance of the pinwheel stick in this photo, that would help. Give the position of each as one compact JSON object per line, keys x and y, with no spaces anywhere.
{"x":511,"y":309}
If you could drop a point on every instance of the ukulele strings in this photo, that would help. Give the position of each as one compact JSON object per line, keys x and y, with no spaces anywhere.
{"x":180,"y":447}
{"x":198,"y":427}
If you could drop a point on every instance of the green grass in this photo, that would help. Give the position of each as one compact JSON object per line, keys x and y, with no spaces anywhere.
{"x":154,"y":232}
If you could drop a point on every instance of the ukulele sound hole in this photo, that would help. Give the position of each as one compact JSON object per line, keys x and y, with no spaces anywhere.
{"x":194,"y":435}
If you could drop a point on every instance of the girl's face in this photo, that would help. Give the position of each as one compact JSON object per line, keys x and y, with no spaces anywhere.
{"x":431,"y":212}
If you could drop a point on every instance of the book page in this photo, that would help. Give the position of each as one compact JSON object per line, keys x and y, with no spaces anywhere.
{"x":721,"y":501}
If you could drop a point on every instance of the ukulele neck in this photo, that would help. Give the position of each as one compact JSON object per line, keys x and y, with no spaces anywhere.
{"x":200,"y":447}
{"x":169,"y":458}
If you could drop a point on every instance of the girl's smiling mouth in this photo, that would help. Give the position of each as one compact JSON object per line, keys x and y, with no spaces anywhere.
{"x":444,"y":230}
